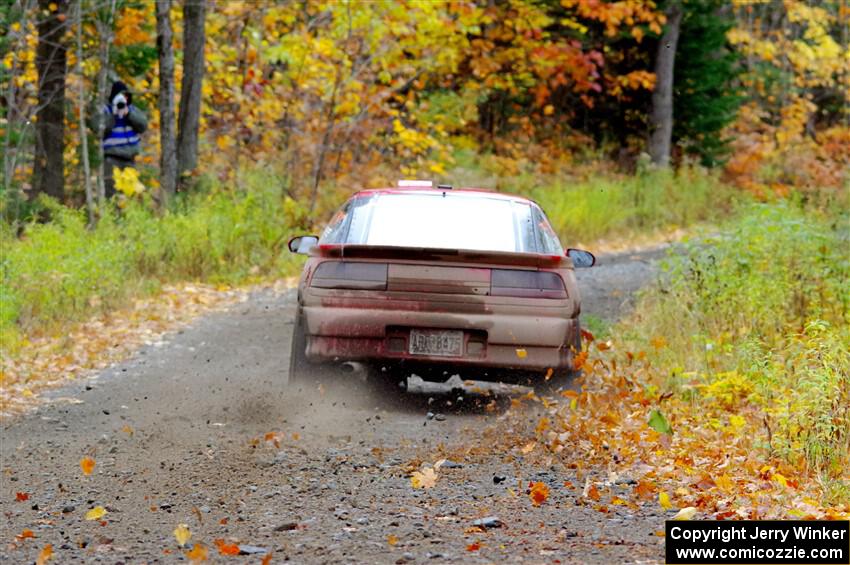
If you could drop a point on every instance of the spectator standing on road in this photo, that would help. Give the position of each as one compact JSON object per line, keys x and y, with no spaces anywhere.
{"x":123,"y":125}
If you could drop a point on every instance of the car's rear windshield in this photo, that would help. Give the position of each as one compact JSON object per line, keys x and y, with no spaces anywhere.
{"x":443,"y":221}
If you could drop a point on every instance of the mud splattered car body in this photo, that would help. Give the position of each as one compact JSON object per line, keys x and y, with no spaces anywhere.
{"x":466,"y":281}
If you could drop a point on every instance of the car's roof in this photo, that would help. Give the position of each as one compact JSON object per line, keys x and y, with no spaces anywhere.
{"x":466,"y":191}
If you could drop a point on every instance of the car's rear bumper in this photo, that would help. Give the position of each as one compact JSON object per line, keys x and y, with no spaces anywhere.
{"x":498,"y":333}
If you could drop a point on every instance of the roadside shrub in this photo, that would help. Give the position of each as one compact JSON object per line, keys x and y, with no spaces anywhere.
{"x":754,"y":320}
{"x":61,"y":271}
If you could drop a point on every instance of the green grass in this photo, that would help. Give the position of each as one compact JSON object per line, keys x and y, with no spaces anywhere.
{"x":600,"y":328}
{"x":60,"y":271}
{"x":756,"y":322}
{"x":599,"y":204}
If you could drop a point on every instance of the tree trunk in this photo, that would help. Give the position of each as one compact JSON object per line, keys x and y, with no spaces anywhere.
{"x":13,"y":112}
{"x":188,"y":120}
{"x":104,"y":23}
{"x":81,"y":103}
{"x":51,"y":63}
{"x":168,"y":143}
{"x":661,"y":118}
{"x":319,"y":163}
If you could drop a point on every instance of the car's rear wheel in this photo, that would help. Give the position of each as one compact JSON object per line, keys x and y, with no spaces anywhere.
{"x":298,"y":363}
{"x":303,"y":373}
{"x":307,"y":375}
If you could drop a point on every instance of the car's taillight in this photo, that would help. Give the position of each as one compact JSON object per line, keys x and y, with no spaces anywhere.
{"x":350,"y":275}
{"x":526,"y":284}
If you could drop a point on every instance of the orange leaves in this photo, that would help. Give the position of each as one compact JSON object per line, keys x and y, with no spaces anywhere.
{"x":634,"y":80}
{"x":21,"y":496}
{"x":44,"y":555}
{"x":724,"y":483}
{"x":392,"y":540}
{"x":225,"y":548}
{"x":580,"y":360}
{"x":273,"y":437}
{"x":539,"y":493}
{"x":542,"y":425}
{"x":592,"y":492}
{"x":133,"y":26}
{"x":197,"y":553}
{"x":644,"y":489}
{"x":87,"y":465}
{"x":658,"y":342}
{"x":474,"y":546}
{"x":25,"y":534}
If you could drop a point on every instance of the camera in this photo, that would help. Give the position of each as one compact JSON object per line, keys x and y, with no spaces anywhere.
{"x":119,"y":103}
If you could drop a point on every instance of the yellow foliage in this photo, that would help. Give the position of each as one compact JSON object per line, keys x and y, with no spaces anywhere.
{"x":182,"y":534}
{"x":96,"y":513}
{"x":127,"y":181}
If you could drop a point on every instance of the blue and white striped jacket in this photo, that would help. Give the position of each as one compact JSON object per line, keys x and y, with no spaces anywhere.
{"x":122,"y":138}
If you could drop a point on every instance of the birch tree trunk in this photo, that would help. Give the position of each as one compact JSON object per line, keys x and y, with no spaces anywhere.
{"x":661,"y":117}
{"x":189,"y":117}
{"x":84,"y":138}
{"x":168,"y":142}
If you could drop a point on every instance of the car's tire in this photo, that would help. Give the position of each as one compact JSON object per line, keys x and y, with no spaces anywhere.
{"x":563,"y":379}
{"x":298,"y":363}
{"x":307,"y":375}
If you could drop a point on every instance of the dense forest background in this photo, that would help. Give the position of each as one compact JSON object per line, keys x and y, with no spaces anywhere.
{"x":342,"y":94}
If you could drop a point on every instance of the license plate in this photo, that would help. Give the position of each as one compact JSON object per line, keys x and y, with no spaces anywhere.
{"x":442,"y":343}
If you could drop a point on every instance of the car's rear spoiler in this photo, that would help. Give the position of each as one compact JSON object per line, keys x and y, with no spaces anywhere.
{"x":351,"y":251}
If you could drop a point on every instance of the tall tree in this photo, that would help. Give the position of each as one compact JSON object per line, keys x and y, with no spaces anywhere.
{"x":105,"y":32}
{"x":51,"y":62}
{"x":661,"y":117}
{"x":168,"y":142}
{"x":706,"y":99}
{"x":189,"y":118}
{"x":81,"y":104}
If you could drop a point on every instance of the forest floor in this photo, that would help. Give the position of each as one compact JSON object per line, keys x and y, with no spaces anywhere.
{"x":198,"y":428}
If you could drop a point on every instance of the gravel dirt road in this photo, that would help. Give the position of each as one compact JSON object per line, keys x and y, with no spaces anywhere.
{"x":199,"y":429}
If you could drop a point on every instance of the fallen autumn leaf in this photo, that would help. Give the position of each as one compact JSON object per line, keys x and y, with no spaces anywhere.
{"x":96,"y":513}
{"x":182,"y":534}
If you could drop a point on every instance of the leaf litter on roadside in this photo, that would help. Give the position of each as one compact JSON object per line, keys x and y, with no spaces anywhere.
{"x":51,"y":359}
{"x":680,"y":458}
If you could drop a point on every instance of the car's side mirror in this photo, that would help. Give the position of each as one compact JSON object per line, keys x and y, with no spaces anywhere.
{"x":581,"y":258}
{"x":303,"y":243}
